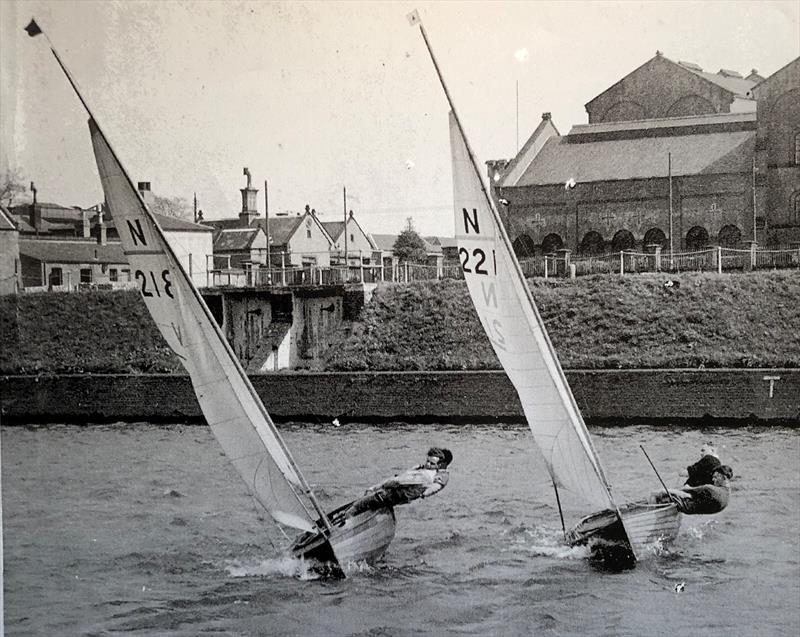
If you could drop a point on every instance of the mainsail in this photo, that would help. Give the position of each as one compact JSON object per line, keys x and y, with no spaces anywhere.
{"x":515,"y":329}
{"x":512,"y":323}
{"x":232,"y":409}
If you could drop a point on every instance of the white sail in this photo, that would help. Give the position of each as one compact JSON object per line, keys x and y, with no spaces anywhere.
{"x":230,"y":405}
{"x":509,"y":316}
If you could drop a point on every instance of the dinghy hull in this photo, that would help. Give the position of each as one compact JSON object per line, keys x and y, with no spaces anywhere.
{"x":355,"y":540}
{"x":646,"y":524}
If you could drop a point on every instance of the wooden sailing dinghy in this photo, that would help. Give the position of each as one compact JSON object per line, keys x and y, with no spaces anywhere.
{"x":512,"y":323}
{"x":229,"y":403}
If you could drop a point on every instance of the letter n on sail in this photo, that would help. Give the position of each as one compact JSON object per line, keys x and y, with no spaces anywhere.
{"x":471,"y":221}
{"x":137,"y":232}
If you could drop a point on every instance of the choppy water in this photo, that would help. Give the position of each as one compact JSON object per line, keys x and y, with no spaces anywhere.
{"x":146,"y":530}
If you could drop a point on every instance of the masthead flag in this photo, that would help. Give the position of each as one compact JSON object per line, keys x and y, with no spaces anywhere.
{"x":33,"y":28}
{"x":413,"y":18}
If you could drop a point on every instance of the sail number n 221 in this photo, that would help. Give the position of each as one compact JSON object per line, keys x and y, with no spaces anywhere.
{"x":475,"y":262}
{"x":151,"y":285}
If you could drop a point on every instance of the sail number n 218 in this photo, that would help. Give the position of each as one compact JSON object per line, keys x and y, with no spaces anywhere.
{"x":152,"y":286}
{"x":479,"y":263}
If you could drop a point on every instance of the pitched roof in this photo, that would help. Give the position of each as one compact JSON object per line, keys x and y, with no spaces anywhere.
{"x":235,"y":239}
{"x":334,"y":228}
{"x":642,"y":127}
{"x":223,"y":224}
{"x":640,"y":158}
{"x":63,"y":251}
{"x":731,"y":81}
{"x":176,"y":224}
{"x":736,"y":86}
{"x":6,"y":220}
{"x":385,"y":243}
{"x":281,"y":229}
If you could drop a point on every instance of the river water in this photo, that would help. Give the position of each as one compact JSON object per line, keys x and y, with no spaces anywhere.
{"x":146,"y":529}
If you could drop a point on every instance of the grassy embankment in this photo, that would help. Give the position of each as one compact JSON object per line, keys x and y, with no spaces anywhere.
{"x":738,"y":320}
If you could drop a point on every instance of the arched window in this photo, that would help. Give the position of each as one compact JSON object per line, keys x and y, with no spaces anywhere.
{"x":592,"y":244}
{"x":551,"y":243}
{"x":623,"y":240}
{"x":729,"y":236}
{"x":696,"y":238}
{"x":655,"y":236}
{"x":524,"y":246}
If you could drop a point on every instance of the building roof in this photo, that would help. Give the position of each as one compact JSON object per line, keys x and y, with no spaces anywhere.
{"x":281,"y":229}
{"x":385,"y":243}
{"x":176,"y":224}
{"x":660,"y":125}
{"x":234,"y":239}
{"x":71,"y":251}
{"x":334,"y":228}
{"x":640,"y":158}
{"x":223,"y":224}
{"x":6,"y":220}
{"x":731,"y":81}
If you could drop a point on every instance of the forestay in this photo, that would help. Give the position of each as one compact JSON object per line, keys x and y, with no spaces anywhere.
{"x":233,"y":410}
{"x":515,"y":328}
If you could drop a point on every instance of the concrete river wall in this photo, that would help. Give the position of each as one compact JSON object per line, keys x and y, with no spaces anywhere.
{"x":605,"y":397}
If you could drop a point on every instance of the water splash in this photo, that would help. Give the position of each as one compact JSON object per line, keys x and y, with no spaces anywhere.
{"x":272,"y":567}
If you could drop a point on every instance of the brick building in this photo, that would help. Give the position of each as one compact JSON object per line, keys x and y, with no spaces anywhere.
{"x":672,"y":156}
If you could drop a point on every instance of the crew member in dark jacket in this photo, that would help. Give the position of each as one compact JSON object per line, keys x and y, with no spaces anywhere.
{"x":701,"y":472}
{"x":706,"y":498}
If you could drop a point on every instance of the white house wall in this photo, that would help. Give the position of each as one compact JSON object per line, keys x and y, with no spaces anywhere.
{"x":317,"y":245}
{"x":194,"y":250}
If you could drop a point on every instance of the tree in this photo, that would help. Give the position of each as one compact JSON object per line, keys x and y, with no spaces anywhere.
{"x":409,"y":246}
{"x":12,"y":187}
{"x":171,"y":207}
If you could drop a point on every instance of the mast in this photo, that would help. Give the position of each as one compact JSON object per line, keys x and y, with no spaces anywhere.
{"x":414,"y":19}
{"x":34,"y":29}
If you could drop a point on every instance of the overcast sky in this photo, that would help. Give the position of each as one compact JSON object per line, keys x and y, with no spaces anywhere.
{"x":317,"y":96}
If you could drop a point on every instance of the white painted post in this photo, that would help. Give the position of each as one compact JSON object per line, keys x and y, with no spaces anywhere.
{"x":719,"y":259}
{"x":406,"y":271}
{"x":283,"y":269}
{"x":622,"y":261}
{"x":546,"y":263}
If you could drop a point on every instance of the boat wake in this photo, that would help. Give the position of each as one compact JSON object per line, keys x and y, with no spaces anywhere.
{"x":547,"y":542}
{"x":277,"y":567}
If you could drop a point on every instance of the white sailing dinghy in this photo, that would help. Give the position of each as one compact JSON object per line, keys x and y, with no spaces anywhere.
{"x":511,"y":320}
{"x":228,"y":401}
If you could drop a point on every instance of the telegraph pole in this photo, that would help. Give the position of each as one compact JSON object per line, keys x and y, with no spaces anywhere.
{"x":266,"y":223}
{"x":669,"y":174}
{"x":344,"y":196}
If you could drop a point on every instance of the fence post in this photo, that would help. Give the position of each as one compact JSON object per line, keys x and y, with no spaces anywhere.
{"x":546,"y":262}
{"x":283,"y":269}
{"x":655,"y":250}
{"x":753,"y":246}
{"x":406,"y":264}
{"x":795,"y":245}
{"x":719,"y":259}
{"x":622,"y":261}
{"x":562,"y":261}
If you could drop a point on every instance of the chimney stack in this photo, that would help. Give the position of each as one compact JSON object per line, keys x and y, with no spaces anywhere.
{"x":101,"y":224}
{"x":144,"y":190}
{"x":249,"y":207}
